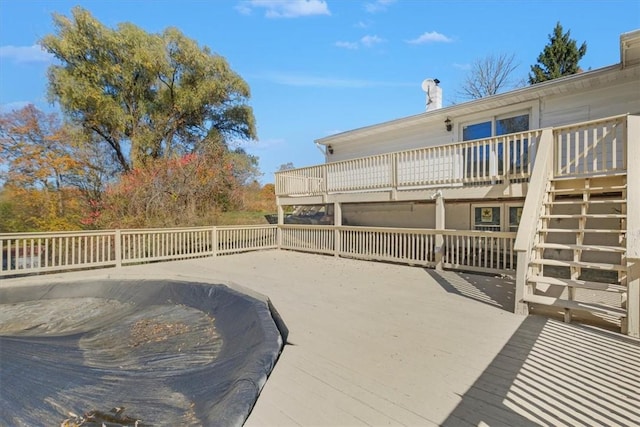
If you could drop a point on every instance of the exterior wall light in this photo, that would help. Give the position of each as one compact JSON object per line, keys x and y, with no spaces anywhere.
{"x":448,"y":124}
{"x":329,"y":149}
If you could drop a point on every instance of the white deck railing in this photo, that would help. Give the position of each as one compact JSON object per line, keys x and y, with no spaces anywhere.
{"x":490,"y":160}
{"x":597,"y":146}
{"x":30,"y":253}
{"x":42,"y":252}
{"x":484,"y":251}
{"x":591,"y":148}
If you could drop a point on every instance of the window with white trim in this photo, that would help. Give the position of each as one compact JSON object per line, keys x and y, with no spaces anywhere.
{"x":487,"y":217}
{"x":496,"y":216}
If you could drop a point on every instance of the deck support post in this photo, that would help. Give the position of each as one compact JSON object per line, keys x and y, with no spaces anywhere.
{"x":280,"y":224}
{"x":337,"y":223}
{"x":522,"y":265}
{"x":440,"y":225}
{"x":280,"y":215}
{"x":633,"y":227}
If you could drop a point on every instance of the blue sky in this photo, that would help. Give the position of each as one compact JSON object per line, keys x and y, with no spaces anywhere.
{"x":318,"y":67}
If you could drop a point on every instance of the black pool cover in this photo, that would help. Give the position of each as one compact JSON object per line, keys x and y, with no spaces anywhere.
{"x":114,"y":353}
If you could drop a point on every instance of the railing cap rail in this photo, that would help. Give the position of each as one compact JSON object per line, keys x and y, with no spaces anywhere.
{"x":589,"y":123}
{"x":33,"y":234}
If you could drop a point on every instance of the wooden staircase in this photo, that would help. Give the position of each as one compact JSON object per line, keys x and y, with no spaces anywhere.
{"x":578,"y":262}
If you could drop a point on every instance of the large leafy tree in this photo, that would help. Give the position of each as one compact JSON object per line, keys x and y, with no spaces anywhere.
{"x":148,"y":96}
{"x":558,"y":58}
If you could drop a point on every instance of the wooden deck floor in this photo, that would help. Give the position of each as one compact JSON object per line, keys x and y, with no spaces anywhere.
{"x":382,"y":344}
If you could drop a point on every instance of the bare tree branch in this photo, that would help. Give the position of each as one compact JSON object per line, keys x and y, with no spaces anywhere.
{"x":489,"y":75}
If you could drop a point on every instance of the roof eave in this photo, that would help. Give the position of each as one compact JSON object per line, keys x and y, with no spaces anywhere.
{"x":519,"y":95}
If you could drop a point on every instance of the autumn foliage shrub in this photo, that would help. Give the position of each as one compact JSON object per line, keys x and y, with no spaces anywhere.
{"x":178,"y":192}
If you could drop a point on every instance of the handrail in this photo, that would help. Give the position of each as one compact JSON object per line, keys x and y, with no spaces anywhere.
{"x":540,"y":176}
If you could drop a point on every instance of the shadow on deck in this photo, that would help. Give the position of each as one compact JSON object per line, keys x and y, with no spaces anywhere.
{"x":495,"y":291}
{"x":553,"y":373}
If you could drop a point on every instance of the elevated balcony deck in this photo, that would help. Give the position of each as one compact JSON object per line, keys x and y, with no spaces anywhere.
{"x":499,"y":165}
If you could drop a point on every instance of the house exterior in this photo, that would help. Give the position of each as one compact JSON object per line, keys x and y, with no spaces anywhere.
{"x":547,"y":162}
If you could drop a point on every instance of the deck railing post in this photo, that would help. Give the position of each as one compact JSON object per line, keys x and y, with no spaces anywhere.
{"x":393,"y":160}
{"x":118,"y":248}
{"x":279,"y":227}
{"x":440,"y":225}
{"x":337,"y":223}
{"x":214,"y":241}
{"x":324,"y":187}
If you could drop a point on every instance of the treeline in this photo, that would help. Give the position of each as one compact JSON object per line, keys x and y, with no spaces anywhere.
{"x":53,"y":180}
{"x":145,"y":136}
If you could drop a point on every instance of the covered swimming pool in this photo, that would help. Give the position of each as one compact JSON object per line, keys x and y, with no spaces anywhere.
{"x":155,"y":352}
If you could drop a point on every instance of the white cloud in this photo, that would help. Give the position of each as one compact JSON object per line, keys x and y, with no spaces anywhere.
{"x":366,"y":41}
{"x":464,"y":67}
{"x":432,"y":37}
{"x":378,"y":5}
{"x":285,"y":8}
{"x":370,"y":41}
{"x":347,"y":45}
{"x":25,"y":54}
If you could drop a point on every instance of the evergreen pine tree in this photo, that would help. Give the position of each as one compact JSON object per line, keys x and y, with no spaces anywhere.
{"x":559,"y":58}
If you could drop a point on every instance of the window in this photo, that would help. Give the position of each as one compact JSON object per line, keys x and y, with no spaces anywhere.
{"x":487,"y":218}
{"x":496,"y":216}
{"x":512,"y":124}
{"x":476,"y":131}
{"x":515,"y":213}
{"x":518,"y":148}
{"x":478,"y":159}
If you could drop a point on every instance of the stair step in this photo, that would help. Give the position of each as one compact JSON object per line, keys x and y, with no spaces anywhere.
{"x":580,"y":201}
{"x":576,"y":305}
{"x":598,"y":189}
{"x":584,"y":284}
{"x":571,"y":216}
{"x":593,"y":177}
{"x":581,"y":264}
{"x":593,"y":248}
{"x":583,"y":230}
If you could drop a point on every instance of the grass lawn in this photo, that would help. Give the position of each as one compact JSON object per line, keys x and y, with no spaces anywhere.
{"x":242,"y":218}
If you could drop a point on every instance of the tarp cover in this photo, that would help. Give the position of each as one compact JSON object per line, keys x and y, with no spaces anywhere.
{"x":114,"y":352}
